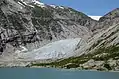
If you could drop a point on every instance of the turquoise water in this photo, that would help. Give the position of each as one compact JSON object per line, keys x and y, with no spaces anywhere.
{"x":45,"y":73}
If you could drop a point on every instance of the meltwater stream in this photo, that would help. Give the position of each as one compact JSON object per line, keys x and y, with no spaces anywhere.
{"x":49,"y":73}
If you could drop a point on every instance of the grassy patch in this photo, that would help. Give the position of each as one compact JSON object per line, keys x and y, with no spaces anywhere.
{"x":74,"y":62}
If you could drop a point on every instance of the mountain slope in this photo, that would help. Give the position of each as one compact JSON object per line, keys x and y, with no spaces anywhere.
{"x":109,"y":19}
{"x":100,"y":53}
{"x":31,"y":24}
{"x":33,"y":32}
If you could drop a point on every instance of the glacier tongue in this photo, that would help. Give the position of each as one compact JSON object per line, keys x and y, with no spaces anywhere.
{"x":54,"y":50}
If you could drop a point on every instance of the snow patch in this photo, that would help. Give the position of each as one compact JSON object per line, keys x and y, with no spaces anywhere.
{"x":31,"y":6}
{"x":53,"y":6}
{"x":24,"y":2}
{"x":21,"y":5}
{"x":23,"y":49}
{"x":95,"y":17}
{"x":39,"y":3}
{"x":61,"y":7}
{"x":34,"y":2}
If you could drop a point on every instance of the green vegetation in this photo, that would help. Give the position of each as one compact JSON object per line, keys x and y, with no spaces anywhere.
{"x":111,"y":51}
{"x":64,"y":63}
{"x":74,"y":62}
{"x":107,"y":66}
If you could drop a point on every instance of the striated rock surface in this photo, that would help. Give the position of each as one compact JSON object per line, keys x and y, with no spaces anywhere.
{"x":101,"y":52}
{"x":26,"y":25}
{"x":35,"y":34}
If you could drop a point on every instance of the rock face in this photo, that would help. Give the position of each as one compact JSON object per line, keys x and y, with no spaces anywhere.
{"x":101,"y":51}
{"x":31,"y":24}
{"x":108,"y":20}
{"x":31,"y":30}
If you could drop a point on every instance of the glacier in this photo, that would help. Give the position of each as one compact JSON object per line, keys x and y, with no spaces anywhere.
{"x":55,"y":50}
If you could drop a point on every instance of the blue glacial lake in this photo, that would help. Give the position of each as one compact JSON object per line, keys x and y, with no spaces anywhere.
{"x":47,"y":73}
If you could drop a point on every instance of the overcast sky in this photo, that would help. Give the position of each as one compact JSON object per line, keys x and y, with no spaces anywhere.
{"x":89,"y":7}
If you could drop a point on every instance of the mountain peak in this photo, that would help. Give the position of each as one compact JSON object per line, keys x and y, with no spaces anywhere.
{"x":111,"y":15}
{"x":29,"y":1}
